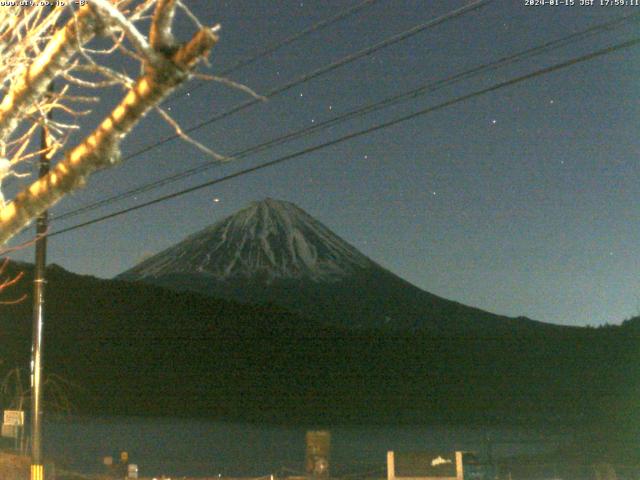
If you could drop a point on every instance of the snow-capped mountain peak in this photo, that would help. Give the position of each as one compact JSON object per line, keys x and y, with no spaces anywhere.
{"x":270,"y":239}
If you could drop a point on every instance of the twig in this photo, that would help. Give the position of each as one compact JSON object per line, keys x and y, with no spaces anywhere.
{"x":230,"y":83}
{"x":189,"y":139}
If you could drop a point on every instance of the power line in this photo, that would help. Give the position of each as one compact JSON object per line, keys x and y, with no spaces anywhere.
{"x":265,"y":52}
{"x":287,"y":41}
{"x":351,"y":136}
{"x":387,"y":102}
{"x":323,"y":70}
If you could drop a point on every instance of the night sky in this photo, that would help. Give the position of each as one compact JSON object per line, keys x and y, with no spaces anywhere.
{"x":523,"y":201}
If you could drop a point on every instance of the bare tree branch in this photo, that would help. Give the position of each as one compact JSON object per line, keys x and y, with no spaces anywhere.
{"x":32,"y":80}
{"x":181,"y":133}
{"x":230,"y":83}
{"x":113,"y":16}
{"x":160,"y":34}
{"x":101,"y":148}
{"x":8,"y":282}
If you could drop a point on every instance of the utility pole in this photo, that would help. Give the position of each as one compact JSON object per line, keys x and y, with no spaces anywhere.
{"x":39,"y":282}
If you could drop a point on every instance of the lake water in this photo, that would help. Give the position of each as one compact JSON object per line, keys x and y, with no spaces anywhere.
{"x":182,"y":447}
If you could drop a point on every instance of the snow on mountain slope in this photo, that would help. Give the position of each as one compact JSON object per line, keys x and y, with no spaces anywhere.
{"x":274,"y":252}
{"x":270,"y":239}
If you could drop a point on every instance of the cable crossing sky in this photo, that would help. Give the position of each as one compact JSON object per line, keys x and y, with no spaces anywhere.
{"x":544,"y":71}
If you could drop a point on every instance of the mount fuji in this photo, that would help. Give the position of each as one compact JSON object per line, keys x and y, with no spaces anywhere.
{"x":325,"y":336}
{"x":274,"y":252}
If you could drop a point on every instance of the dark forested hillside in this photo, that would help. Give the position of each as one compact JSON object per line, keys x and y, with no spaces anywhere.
{"x":139,"y":349}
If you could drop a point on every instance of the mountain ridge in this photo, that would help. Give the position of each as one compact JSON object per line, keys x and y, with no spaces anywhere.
{"x":138,"y":349}
{"x":274,"y":252}
{"x":270,"y":238}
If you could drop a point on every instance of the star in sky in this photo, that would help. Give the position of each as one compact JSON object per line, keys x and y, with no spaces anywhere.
{"x":528,"y":134}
